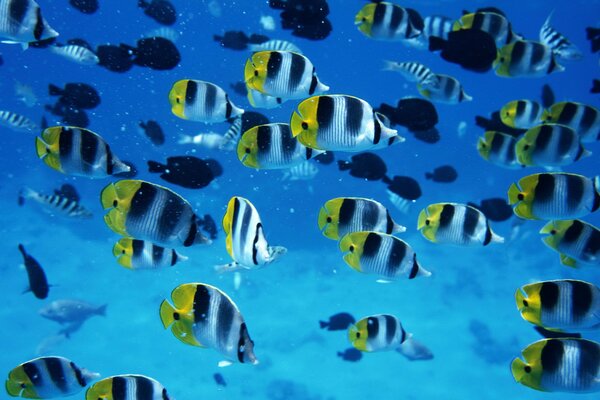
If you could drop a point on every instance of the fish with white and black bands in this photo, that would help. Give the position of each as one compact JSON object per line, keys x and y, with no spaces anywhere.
{"x":127,"y":387}
{"x":496,"y":25}
{"x":583,"y":118}
{"x":79,"y":54}
{"x":21,"y":21}
{"x":201,"y":101}
{"x":577,"y":242}
{"x":566,"y":365}
{"x":458,"y":224}
{"x":275,"y":45}
{"x":245,"y":239}
{"x":142,"y":254}
{"x":55,"y":204}
{"x":387,"y":21}
{"x":526,"y":58}
{"x":499,"y":149}
{"x":147,"y":211}
{"x":414,"y":72}
{"x":46,"y":378}
{"x":272,"y":146}
{"x":381,"y":254}
{"x":560,"y":45}
{"x":204,"y":316}
{"x":16,"y":122}
{"x":447,"y":90}
{"x":341,"y":122}
{"x":38,"y":283}
{"x":78,"y":151}
{"x":550,"y":145}
{"x":282,"y":74}
{"x":522,"y":114}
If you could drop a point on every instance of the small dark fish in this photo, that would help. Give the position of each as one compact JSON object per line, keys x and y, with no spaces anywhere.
{"x":443,"y":174}
{"x":495,"y":124}
{"x":85,"y":6}
{"x":68,"y":191}
{"x":306,"y":18}
{"x":38,"y":284}
{"x":132,"y":173}
{"x":405,"y":187}
{"x":325,"y":158}
{"x":70,"y":115}
{"x":351,"y":354}
{"x":338,"y":322}
{"x":548,"y":97}
{"x":78,"y":95}
{"x":495,"y":209}
{"x":251,"y":119}
{"x":115,"y":58}
{"x":413,"y":113}
{"x":367,"y":166}
{"x":153,"y":131}
{"x":161,"y":11}
{"x":208,"y":225}
{"x":186,"y":171}
{"x":472,"y":49}
{"x":593,"y":35}
{"x":595,"y":86}
{"x":155,"y":53}
{"x":554,"y":334}
{"x":235,"y":40}
{"x":239,"y":87}
{"x":219,"y":380}
{"x":430,"y":136}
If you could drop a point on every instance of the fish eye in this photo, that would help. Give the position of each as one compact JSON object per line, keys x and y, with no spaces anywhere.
{"x":176,"y":316}
{"x":527,"y":369}
{"x":351,"y":248}
{"x":358,"y":335}
{"x":525,"y":303}
{"x":178,"y":99}
{"x":247,"y":150}
{"x":553,"y":232}
{"x":304,"y":125}
{"x":123,"y":251}
{"x":255,"y":72}
{"x":23,"y":386}
{"x":329,"y":219}
{"x":526,"y":147}
{"x":427,"y":222}
{"x":521,"y":196}
{"x":501,"y":59}
{"x":115,"y":203}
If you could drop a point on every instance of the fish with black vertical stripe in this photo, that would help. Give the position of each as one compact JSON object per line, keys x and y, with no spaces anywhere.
{"x":142,"y":254}
{"x":499,"y":149}
{"x":21,"y":21}
{"x":494,"y":24}
{"x":201,"y":101}
{"x":526,"y":58}
{"x":522,"y":114}
{"x":204,"y":316}
{"x":457,"y":224}
{"x":583,"y":118}
{"x":127,"y":387}
{"x":47,"y":378}
{"x":387,"y":21}
{"x":577,"y":242}
{"x":55,"y":204}
{"x":550,"y":145}
{"x":560,"y":45}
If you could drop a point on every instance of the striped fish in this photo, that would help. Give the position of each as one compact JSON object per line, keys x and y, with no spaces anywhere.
{"x":387,"y":21}
{"x":16,"y":121}
{"x":201,"y":101}
{"x":47,"y":377}
{"x":282,"y":74}
{"x":245,"y":240}
{"x":496,"y":25}
{"x":77,"y":151}
{"x":275,"y":45}
{"x":202,"y":315}
{"x":550,"y":145}
{"x":554,"y":195}
{"x":414,"y":72}
{"x":127,"y":387}
{"x":560,"y":45}
{"x":526,"y":58}
{"x":576,"y":241}
{"x":55,"y":204}
{"x":381,"y":254}
{"x":499,"y":149}
{"x":79,"y":54}
{"x":438,"y":26}
{"x":272,"y":146}
{"x":446,"y":89}
{"x":142,"y":254}
{"x":521,"y":114}
{"x":163,"y":32}
{"x":458,"y":224}
{"x":381,"y":332}
{"x":21,"y":21}
{"x":340,"y":122}
{"x":231,"y":137}
{"x":585,"y":119}
{"x":304,"y":171}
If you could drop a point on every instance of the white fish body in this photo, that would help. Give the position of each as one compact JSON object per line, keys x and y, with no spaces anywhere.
{"x":79,"y":54}
{"x":209,"y":140}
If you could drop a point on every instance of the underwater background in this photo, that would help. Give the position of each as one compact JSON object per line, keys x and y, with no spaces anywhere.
{"x":464,"y":313}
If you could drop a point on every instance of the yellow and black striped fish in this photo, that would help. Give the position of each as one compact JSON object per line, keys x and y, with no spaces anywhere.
{"x":142,"y":254}
{"x":202,"y":315}
{"x":55,"y":204}
{"x":550,"y":145}
{"x":499,"y":149}
{"x":381,"y":332}
{"x":77,"y":151}
{"x":340,"y":122}
{"x":554,"y":195}
{"x":559,"y":365}
{"x":576,"y":241}
{"x":343,"y":215}
{"x":387,"y":21}
{"x":127,"y":387}
{"x":521,"y":114}
{"x":201,"y":101}
{"x":46,"y":378}
{"x":459,"y":224}
{"x":496,"y":25}
{"x":21,"y":21}
{"x":583,"y":118}
{"x":146,"y":211}
{"x":526,"y":58}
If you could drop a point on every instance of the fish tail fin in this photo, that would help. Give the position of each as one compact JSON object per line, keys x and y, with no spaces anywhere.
{"x":167,"y":312}
{"x":102,"y":310}
{"x":54,"y":90}
{"x":389,"y":65}
{"x":154,"y":166}
{"x":436,"y":43}
{"x":323,"y":324}
{"x":22,"y":250}
{"x":344,"y":165}
{"x":185,"y":139}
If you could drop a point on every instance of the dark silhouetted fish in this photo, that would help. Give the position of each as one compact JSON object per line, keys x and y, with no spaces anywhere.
{"x":132,"y":173}
{"x":43,"y":44}
{"x":325,"y":158}
{"x":495,"y":124}
{"x":593,"y":35}
{"x":405,"y":187}
{"x":338,"y":322}
{"x":186,"y":171}
{"x":495,"y":209}
{"x":413,"y":113}
{"x":548,"y":334}
{"x":153,"y":131}
{"x":430,"y":136}
{"x":68,"y":191}
{"x":306,"y":18}
{"x":251,"y":119}
{"x":156,"y":53}
{"x":350,"y":354}
{"x":208,"y":225}
{"x":548,"y":97}
{"x":595,"y":86}
{"x":367,"y":166}
{"x":472,"y":49}
{"x":115,"y":58}
{"x":78,"y":95}
{"x":38,"y":284}
{"x":443,"y":174}
{"x":85,"y":6}
{"x":161,"y":11}
{"x":219,"y":380}
{"x":239,"y":87}
{"x":235,"y":40}
{"x":70,"y":115}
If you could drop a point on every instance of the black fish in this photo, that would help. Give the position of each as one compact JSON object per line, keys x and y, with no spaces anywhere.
{"x":443,"y":174}
{"x":240,"y":88}
{"x":85,"y":6}
{"x":338,"y":322}
{"x":495,"y":124}
{"x":114,"y":58}
{"x":208,"y":225}
{"x":595,"y":86}
{"x":161,"y":11}
{"x":235,"y":40}
{"x":156,"y":53}
{"x":414,"y":114}
{"x":472,"y":49}
{"x":43,"y":44}
{"x":367,"y":166}
{"x":68,"y":191}
{"x":251,"y":119}
{"x":325,"y":158}
{"x":554,"y":334}
{"x":38,"y":284}
{"x":153,"y":131}
{"x":219,"y":380}
{"x":187,"y":171}
{"x":548,"y":97}
{"x":405,"y":187}
{"x":78,"y":95}
{"x":495,"y":209}
{"x":70,"y":115}
{"x":593,"y":35}
{"x":306,"y":18}
{"x":430,"y":136}
{"x":129,"y":174}
{"x":351,"y":354}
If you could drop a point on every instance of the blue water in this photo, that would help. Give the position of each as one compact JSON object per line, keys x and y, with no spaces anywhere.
{"x":283,"y":303}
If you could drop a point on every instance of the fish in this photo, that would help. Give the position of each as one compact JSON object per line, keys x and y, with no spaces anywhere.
{"x":307,"y":18}
{"x":367,"y":166}
{"x":187,"y":171}
{"x":340,"y":122}
{"x":282,"y":74}
{"x":496,"y":25}
{"x":272,"y":146}
{"x":238,"y":40}
{"x":382,"y":332}
{"x":233,"y":134}
{"x":494,"y":123}
{"x":209,"y":140}
{"x":55,"y":204}
{"x":260,"y":100}
{"x":495,"y":209}
{"x":147,"y":211}
{"x":554,"y":195}
{"x":16,"y":121}
{"x":457,"y":224}
{"x":142,"y":254}
{"x":301,"y":172}
{"x":337,"y":322}
{"x":72,"y":313}
{"x":153,"y":132}
{"x":595,"y":86}
{"x":325,"y":158}
{"x":245,"y":240}
{"x":386,"y":21}
{"x":69,"y":115}
{"x":76,"y":94}
{"x":351,"y":354}
{"x":415,"y":114}
{"x":522,"y":114}
{"x":443,"y":174}
{"x":402,"y":204}
{"x":25,"y":94}
{"x":381,"y":254}
{"x":78,"y":54}
{"x":559,"y":365}
{"x":343,"y":215}
{"x":547,"y":96}
{"x":21,"y":21}
{"x":161,"y":11}
{"x":68,"y":191}
{"x":415,"y":350}
{"x":437,"y":25}
{"x":473,"y":50}
{"x":114,"y":57}
{"x":201,"y":101}
{"x":38,"y":283}
{"x":405,"y":187}
{"x":78,"y":152}
{"x":85,"y":6}
{"x":207,"y":224}
{"x":267,"y":22}
{"x":526,"y":59}
{"x":127,"y":387}
{"x":583,"y":118}
{"x":499,"y":148}
{"x":204,"y":316}
{"x":560,"y":45}
{"x":219,"y":380}
{"x":577,"y":242}
{"x":560,"y":305}
{"x":447,"y":90}
{"x":157,"y":53}
{"x":550,"y":145}
{"x":414,"y":72}
{"x":46,"y":378}
{"x":275,"y":45}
